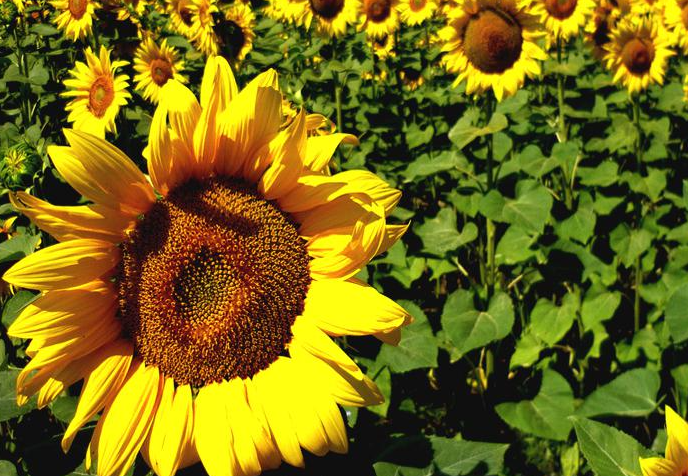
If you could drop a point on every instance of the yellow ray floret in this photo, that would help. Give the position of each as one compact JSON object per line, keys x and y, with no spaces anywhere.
{"x":676,"y":19}
{"x":675,"y":461}
{"x":415,"y":12}
{"x":379,"y":17}
{"x":75,"y":17}
{"x":245,"y":246}
{"x":563,"y":19}
{"x":97,"y":93}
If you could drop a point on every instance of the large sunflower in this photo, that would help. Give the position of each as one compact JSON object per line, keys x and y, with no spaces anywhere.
{"x":97,"y":93}
{"x":224,"y":279}
{"x":492,"y":44}
{"x":379,"y":17}
{"x":638,"y":53}
{"x":676,"y":18}
{"x":564,"y":18}
{"x":75,"y":17}
{"x":156,"y":65}
{"x":415,"y":12}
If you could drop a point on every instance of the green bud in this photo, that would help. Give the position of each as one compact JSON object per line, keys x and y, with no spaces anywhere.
{"x":20,"y":162}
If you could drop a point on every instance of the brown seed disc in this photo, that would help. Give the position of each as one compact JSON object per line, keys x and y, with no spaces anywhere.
{"x":77,"y":8}
{"x":637,"y":55}
{"x":493,"y":41}
{"x":161,"y":71}
{"x":327,"y":9}
{"x":684,"y":15}
{"x":211,"y":281}
{"x":417,"y":5}
{"x":101,"y":95}
{"x":561,"y":9}
{"x":378,"y":10}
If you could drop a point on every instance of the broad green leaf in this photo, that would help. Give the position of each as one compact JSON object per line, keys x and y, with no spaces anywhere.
{"x":514,"y":246}
{"x":18,"y":247}
{"x":629,"y":243}
{"x":547,"y":414}
{"x":8,"y":397}
{"x":15,"y":305}
{"x":383,"y":380}
{"x":598,"y":308}
{"x":549,"y":322}
{"x":530,"y":209}
{"x":417,"y":348}
{"x":468,"y":328}
{"x":426,"y":165}
{"x":491,"y":205}
{"x":533,"y":162}
{"x":605,"y":174}
{"x":440,"y":234}
{"x":527,"y":351}
{"x":609,"y":452}
{"x":7,"y":468}
{"x":631,"y":394}
{"x":464,"y":132}
{"x":676,"y":314}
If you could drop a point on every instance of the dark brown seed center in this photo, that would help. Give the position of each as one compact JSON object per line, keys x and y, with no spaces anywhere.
{"x":77,"y":8}
{"x":101,"y":95}
{"x":327,"y":9}
{"x":378,"y":10}
{"x":637,"y":55}
{"x":493,"y":41}
{"x":212,"y":279}
{"x":161,"y":71}
{"x":561,"y":9}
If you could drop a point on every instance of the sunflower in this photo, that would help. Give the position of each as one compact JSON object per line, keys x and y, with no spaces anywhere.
{"x":382,"y":46}
{"x":676,"y":18}
{"x":412,"y":78}
{"x":564,"y":18}
{"x":598,"y":31}
{"x":492,"y":44}
{"x":675,"y":461}
{"x":379,"y":17}
{"x":415,"y":12}
{"x":97,"y":92}
{"x":331,"y":17}
{"x":155,"y":65}
{"x":638,"y":53}
{"x":75,"y":17}
{"x":235,"y":34}
{"x":125,"y":8}
{"x":180,"y":20}
{"x":202,"y":23}
{"x":223,"y":277}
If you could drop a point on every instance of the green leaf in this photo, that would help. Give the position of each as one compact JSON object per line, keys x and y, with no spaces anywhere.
{"x":417,"y":348}
{"x":609,"y":452}
{"x":15,"y":305}
{"x":631,"y":394}
{"x":514,"y":246}
{"x":629,"y":243}
{"x":64,"y":408}
{"x":530,"y":209}
{"x":7,"y":468}
{"x":527,"y":351}
{"x":676,"y":314}
{"x":425,"y":165}
{"x":605,"y":174}
{"x":598,"y":308}
{"x":464,"y":132}
{"x":550,"y":322}
{"x":440,"y":234}
{"x":547,"y":414}
{"x":470,"y":329}
{"x":18,"y":247}
{"x":533,"y":162}
{"x":8,"y":397}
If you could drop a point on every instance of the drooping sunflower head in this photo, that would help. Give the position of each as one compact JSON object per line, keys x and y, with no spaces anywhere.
{"x":379,"y":17}
{"x":491,"y":44}
{"x":235,"y":32}
{"x":676,"y":19}
{"x":638,"y":53}
{"x":225,"y":276}
{"x":598,"y":29}
{"x":9,"y":13}
{"x":330,"y":17}
{"x":155,"y":65}
{"x":564,"y":18}
{"x":75,"y":17}
{"x":415,"y":12}
{"x":97,"y":92}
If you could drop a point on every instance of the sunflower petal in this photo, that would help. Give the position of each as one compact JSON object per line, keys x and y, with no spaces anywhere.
{"x":183,"y":112}
{"x":320,"y":149}
{"x":677,"y":441}
{"x":659,"y":467}
{"x":218,"y":80}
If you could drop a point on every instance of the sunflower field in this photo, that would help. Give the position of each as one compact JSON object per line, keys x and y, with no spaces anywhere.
{"x":356,"y":237}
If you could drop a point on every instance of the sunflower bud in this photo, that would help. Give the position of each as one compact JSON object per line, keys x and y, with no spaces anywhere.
{"x":8,"y":12}
{"x":19,"y":163}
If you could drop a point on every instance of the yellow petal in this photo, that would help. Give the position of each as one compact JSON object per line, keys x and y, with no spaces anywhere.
{"x":110,"y":367}
{"x":677,"y":441}
{"x":659,"y":467}
{"x":126,"y":422}
{"x":320,"y":149}
{"x":183,"y":112}
{"x":68,"y":223}
{"x":351,"y":308}
{"x":159,"y":161}
{"x":393,"y":233}
{"x":104,"y":174}
{"x":64,"y":265}
{"x":218,"y":80}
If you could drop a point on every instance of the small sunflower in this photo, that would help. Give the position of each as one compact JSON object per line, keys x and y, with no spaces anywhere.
{"x":180,"y":20}
{"x":131,"y":9}
{"x":235,"y":34}
{"x":379,"y":17}
{"x":564,"y":18}
{"x":675,"y":461}
{"x":97,"y":93}
{"x":598,"y":30}
{"x":492,"y":44}
{"x":676,"y":19}
{"x":156,"y":65}
{"x":224,"y":276}
{"x":412,"y":78}
{"x":638,"y":53}
{"x":415,"y":12}
{"x":382,"y":46}
{"x":331,"y":17}
{"x":75,"y":17}
{"x":202,"y":23}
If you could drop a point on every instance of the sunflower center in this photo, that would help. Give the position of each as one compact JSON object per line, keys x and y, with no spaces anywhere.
{"x":378,"y":10}
{"x":637,"y":56}
{"x":186,"y":16}
{"x":493,"y":41}
{"x":561,"y":9}
{"x":101,"y":95}
{"x":601,"y":34}
{"x":231,"y":35}
{"x":417,"y":5}
{"x":327,"y":9}
{"x":212,"y":279}
{"x":161,"y":71}
{"x":77,"y":8}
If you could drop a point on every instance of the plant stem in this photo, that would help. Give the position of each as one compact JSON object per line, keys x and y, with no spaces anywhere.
{"x":22,"y":65}
{"x":563,"y":134}
{"x":638,"y":212}
{"x":490,"y":226}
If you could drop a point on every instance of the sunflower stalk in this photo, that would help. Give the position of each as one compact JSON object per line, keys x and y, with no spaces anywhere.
{"x":638,"y":211}
{"x":23,"y":66}
{"x":563,"y":132}
{"x":490,"y":228}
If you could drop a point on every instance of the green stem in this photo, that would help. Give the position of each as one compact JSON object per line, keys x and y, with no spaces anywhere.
{"x":22,"y":65}
{"x":490,"y":228}
{"x":638,"y":212}
{"x":563,"y":134}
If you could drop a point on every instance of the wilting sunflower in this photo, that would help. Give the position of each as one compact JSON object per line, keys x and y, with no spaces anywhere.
{"x":676,"y":18}
{"x":156,"y":65}
{"x":492,"y":44}
{"x":98,"y":93}
{"x":202,"y":24}
{"x":179,"y":12}
{"x":226,"y":282}
{"x":638,"y":53}
{"x":234,"y":35}
{"x":415,"y":12}
{"x":330,"y":17}
{"x":675,"y":461}
{"x":379,"y":17}
{"x":564,"y":18}
{"x":75,"y":17}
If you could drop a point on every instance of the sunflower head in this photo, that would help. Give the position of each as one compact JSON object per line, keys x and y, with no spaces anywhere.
{"x":19,"y":164}
{"x":676,"y":452}
{"x":380,"y":17}
{"x":75,"y":17}
{"x":415,"y":12}
{"x":564,"y":18}
{"x":8,"y":12}
{"x":234,"y":31}
{"x":155,"y":66}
